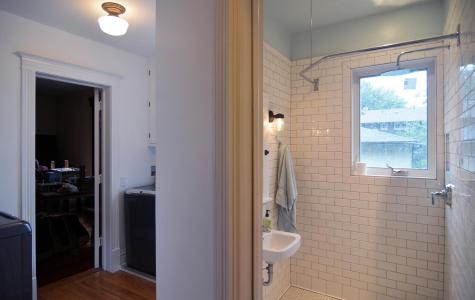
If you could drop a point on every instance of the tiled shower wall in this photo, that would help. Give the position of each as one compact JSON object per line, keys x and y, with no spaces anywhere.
{"x":460,"y":126}
{"x":276,"y":96}
{"x":363,"y":237}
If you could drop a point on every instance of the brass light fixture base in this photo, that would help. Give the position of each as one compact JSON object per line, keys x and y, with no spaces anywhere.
{"x":113,"y":8}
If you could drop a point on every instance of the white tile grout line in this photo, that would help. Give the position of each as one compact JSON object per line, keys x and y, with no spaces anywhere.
{"x":286,"y":290}
{"x":320,"y":293}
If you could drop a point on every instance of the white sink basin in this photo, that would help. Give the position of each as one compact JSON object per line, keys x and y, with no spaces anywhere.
{"x":279,"y":245}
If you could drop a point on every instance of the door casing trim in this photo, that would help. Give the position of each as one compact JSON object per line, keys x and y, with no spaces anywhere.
{"x":239,"y":149}
{"x":33,"y":66}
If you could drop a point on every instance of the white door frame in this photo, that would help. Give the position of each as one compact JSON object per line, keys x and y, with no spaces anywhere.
{"x":239,"y":148}
{"x":99,"y":166}
{"x":31,"y":67}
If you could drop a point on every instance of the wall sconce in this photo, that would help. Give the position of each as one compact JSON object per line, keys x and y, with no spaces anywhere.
{"x":277,"y":120}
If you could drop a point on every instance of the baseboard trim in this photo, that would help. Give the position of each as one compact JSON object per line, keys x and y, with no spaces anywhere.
{"x":34,"y":286}
{"x":115,"y":260}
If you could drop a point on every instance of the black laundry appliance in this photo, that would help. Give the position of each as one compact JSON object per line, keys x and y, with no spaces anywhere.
{"x":15,"y":258}
{"x":139,"y":210}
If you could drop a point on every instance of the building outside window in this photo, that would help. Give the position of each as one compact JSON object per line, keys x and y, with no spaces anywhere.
{"x":394,"y":118}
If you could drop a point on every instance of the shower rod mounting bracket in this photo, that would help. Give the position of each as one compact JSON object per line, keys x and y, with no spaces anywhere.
{"x":315,"y":81}
{"x":316,"y":84}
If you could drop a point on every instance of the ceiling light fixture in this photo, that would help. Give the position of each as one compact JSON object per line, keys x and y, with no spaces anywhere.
{"x":112,"y":24}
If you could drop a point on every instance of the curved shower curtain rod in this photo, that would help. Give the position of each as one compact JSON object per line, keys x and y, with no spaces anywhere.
{"x":398,"y":60}
{"x":315,"y":81}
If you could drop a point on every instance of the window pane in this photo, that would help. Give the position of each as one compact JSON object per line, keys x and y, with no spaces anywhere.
{"x":393,"y":119}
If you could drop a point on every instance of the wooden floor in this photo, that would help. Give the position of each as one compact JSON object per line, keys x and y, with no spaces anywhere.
{"x":97,"y":285}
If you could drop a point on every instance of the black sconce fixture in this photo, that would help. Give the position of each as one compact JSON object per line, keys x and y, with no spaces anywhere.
{"x":273,"y":116}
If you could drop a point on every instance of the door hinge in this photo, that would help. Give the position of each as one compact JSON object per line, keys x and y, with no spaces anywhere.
{"x":100,"y":178}
{"x":100,"y":241}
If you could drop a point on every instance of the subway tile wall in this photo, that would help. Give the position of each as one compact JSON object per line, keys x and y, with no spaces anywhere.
{"x":276,"y":96}
{"x":460,"y":126}
{"x":363,"y":237}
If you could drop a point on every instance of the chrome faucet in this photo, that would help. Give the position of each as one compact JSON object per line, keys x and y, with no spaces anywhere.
{"x":396,"y":172}
{"x":445,"y":194}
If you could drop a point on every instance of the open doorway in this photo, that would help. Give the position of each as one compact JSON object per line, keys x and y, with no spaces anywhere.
{"x":68,"y":168}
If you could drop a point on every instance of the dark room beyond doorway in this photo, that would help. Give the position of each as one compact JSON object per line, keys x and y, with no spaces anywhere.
{"x":65,"y":201}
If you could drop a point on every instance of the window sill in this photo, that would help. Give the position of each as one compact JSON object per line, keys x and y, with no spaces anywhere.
{"x":385,"y":172}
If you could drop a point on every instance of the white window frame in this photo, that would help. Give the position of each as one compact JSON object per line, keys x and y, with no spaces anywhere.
{"x":357,"y":74}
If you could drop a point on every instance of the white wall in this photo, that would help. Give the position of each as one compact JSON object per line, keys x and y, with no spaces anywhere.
{"x":459,"y":107}
{"x":363,"y":237}
{"x":276,"y":97}
{"x":276,"y":36}
{"x":413,"y":22}
{"x":186,"y":231}
{"x":20,"y":34}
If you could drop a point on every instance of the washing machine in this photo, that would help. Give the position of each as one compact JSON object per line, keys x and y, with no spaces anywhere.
{"x":139,"y":213}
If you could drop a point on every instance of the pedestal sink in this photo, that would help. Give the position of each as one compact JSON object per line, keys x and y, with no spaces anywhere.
{"x":279,"y":245}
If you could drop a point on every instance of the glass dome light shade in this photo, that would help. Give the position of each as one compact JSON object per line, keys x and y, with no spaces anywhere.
{"x":113,"y":25}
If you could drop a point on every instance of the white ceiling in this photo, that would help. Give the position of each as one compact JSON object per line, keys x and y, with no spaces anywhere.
{"x":80,"y":17}
{"x":293,"y":15}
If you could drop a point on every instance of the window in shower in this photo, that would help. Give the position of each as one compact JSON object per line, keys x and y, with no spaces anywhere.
{"x":394,"y":116}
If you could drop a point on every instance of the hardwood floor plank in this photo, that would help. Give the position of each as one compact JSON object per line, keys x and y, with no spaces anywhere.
{"x":97,"y":285}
